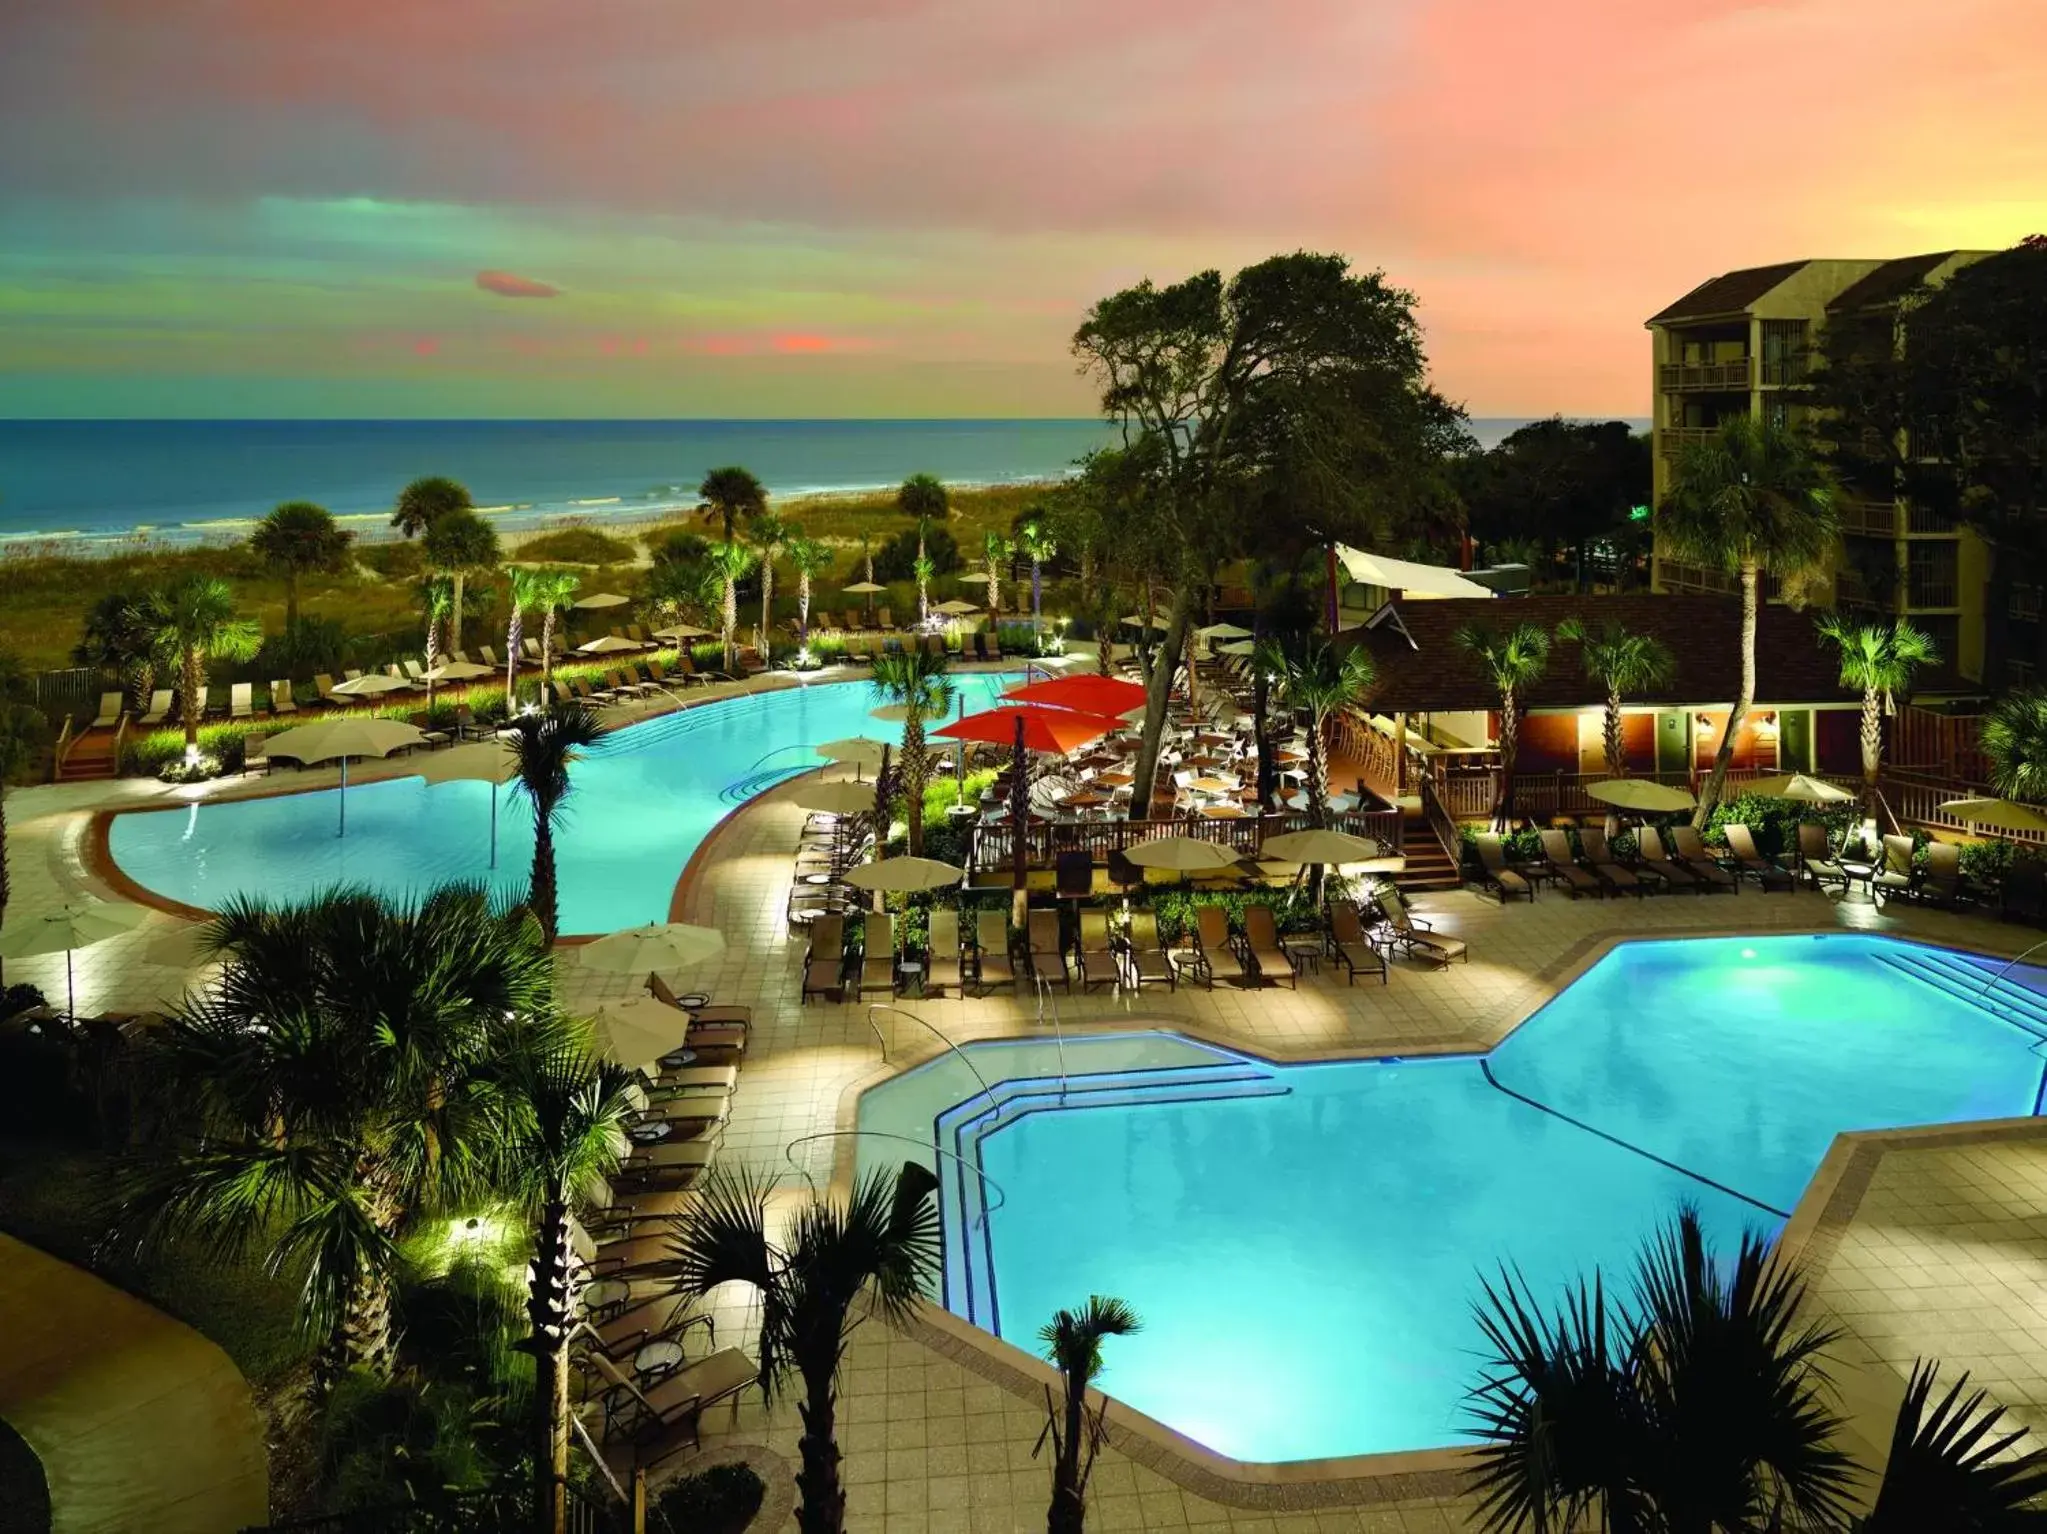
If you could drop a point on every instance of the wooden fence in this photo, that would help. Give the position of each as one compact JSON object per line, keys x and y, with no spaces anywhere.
{"x":1939,"y":745}
{"x":994,"y":843}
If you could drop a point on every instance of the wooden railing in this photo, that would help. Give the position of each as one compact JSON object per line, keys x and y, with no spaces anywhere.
{"x":1870,"y":519}
{"x":994,"y":842}
{"x":1916,"y":799}
{"x":1705,"y":375}
{"x":60,"y":751}
{"x":1937,"y":745}
{"x":1441,"y":822}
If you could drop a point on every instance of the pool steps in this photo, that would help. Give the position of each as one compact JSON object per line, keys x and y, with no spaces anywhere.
{"x":1977,"y":982}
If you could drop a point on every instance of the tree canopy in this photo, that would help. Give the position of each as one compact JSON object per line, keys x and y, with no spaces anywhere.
{"x":1558,"y":486}
{"x":730,"y":495}
{"x":924,"y":497}
{"x":426,"y":500}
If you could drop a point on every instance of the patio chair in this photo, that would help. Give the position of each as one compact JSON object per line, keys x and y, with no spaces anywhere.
{"x":1816,"y":860}
{"x":1675,"y":875}
{"x":529,"y":649}
{"x":1494,"y":874}
{"x":159,"y":708}
{"x":688,"y":1115}
{"x":1695,"y":855}
{"x":1048,"y":959}
{"x":1895,"y":876}
{"x":633,"y":1328}
{"x":667,"y":1165}
{"x":1268,"y":955}
{"x":1214,"y":954}
{"x":1100,"y":964}
{"x":991,"y":645}
{"x":489,"y":656}
{"x":323,"y":690}
{"x":1144,"y":956}
{"x":1349,"y":944}
{"x":884,"y":619}
{"x":256,"y":752}
{"x":1941,"y":880}
{"x":824,"y":964}
{"x":1741,"y":842}
{"x":110,"y":711}
{"x":944,"y":958}
{"x":414,"y":672}
{"x":281,"y":699}
{"x":1414,"y":935}
{"x":993,"y":963}
{"x":1557,"y":858}
{"x":878,"y":955}
{"x":662,"y":1415}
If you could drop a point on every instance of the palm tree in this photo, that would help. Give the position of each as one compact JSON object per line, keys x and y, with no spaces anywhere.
{"x":564,"y":1117}
{"x":544,"y":746}
{"x":119,"y":636}
{"x":555,"y":593}
{"x":883,"y":1240}
{"x":1513,"y":659}
{"x":2014,"y":737}
{"x":525,"y":589}
{"x":729,"y":562}
{"x":335,"y":1084}
{"x":768,"y":533}
{"x":917,"y":681}
{"x":923,"y":568}
{"x":1035,"y":539}
{"x":22,"y":728}
{"x":1700,"y":1404}
{"x":997,"y":550}
{"x":459,"y":545}
{"x":924,"y":497}
{"x":808,"y":558}
{"x":436,"y":597}
{"x":1755,"y":498}
{"x":730,"y":495}
{"x":425,"y":501}
{"x":299,"y":538}
{"x":1321,"y":681}
{"x":1074,"y":1344}
{"x":1621,"y":661}
{"x":1877,"y":660}
{"x":194,"y":621}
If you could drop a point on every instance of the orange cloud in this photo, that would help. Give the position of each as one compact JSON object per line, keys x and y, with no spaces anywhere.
{"x":512,"y":285}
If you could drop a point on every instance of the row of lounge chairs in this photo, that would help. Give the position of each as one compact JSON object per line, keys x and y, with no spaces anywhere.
{"x":871,"y":646}
{"x":634,"y":683}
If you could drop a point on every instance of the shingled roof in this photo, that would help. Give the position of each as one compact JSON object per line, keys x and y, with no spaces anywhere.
{"x":1888,"y":283}
{"x":1727,"y":295}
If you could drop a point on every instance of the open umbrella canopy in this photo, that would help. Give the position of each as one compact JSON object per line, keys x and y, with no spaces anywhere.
{"x":863,"y":588}
{"x":344,"y":737}
{"x":369,"y":686}
{"x":607,"y":644}
{"x":1236,"y":647}
{"x":657,"y":946}
{"x":1999,"y":814}
{"x":975,"y":578}
{"x":1642,"y":795}
{"x":1132,"y":620}
{"x":905,"y":875}
{"x":682,"y":631}
{"x":637,"y":1032}
{"x":955,"y":608}
{"x":602,"y":599}
{"x":1181,"y":854}
{"x":1319,"y":847}
{"x":1052,"y":731}
{"x":68,"y":928}
{"x":488,"y":761}
{"x":1796,"y":785}
{"x":854,"y":748}
{"x":837,"y":797}
{"x":1223,"y":631}
{"x":1087,"y":694}
{"x":459,"y":671}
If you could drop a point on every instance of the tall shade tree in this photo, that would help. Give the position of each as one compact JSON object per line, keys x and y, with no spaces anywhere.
{"x":1877,"y":660}
{"x":2014,"y":737}
{"x":809,"y":559}
{"x":729,"y":562}
{"x":1754,"y":498}
{"x":924,"y":497}
{"x":1035,"y":541}
{"x":436,"y":599}
{"x":1322,"y":681}
{"x":554,"y":594}
{"x":119,"y":636}
{"x":729,"y":496}
{"x":1073,"y":1342}
{"x":1513,"y":658}
{"x":22,"y":730}
{"x":461,"y":545}
{"x":299,"y":538}
{"x":1699,"y":1404}
{"x":923,"y":567}
{"x":334,"y":1084}
{"x":544,"y":747}
{"x":996,"y":551}
{"x":768,"y":533}
{"x":916,"y":681}
{"x":194,"y":621}
{"x":1621,"y":661}
{"x":426,"y":500}
{"x":564,"y":1112}
{"x":882,"y":1242}
{"x":523,"y":592}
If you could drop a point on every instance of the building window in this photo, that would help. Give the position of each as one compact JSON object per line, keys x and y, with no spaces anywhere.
{"x":1932,"y":579}
{"x":2025,"y":602}
{"x":2019,"y":673}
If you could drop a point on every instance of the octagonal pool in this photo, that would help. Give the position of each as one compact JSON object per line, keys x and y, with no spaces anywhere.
{"x":1304,"y":1243}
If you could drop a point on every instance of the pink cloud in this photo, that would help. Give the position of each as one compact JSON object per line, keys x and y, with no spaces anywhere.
{"x":512,"y":285}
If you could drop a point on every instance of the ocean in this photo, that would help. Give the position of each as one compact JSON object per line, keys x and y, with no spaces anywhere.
{"x":101,"y":484}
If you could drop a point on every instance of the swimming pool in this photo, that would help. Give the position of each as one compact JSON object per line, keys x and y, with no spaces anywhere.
{"x":645,"y":798}
{"x":1304,"y":1243}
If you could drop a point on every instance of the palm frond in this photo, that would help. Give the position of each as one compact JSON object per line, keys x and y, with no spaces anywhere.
{"x":1951,"y":1468}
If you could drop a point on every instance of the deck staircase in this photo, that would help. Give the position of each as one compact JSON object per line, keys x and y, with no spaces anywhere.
{"x":88,"y":758}
{"x":1428,"y":866}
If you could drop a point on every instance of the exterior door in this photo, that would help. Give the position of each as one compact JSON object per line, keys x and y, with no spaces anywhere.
{"x":1673,"y":741}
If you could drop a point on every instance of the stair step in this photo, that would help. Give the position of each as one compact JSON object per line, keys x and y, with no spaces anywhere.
{"x":2009,"y":1002}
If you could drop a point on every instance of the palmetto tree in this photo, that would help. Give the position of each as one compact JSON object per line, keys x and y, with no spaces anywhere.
{"x":1877,"y":660}
{"x":1699,"y":1405}
{"x":22,"y":728}
{"x":997,"y":550}
{"x":1754,"y":498}
{"x":2014,"y":737}
{"x":193,"y":621}
{"x":923,"y":567}
{"x":808,"y":558}
{"x":1622,"y":661}
{"x":335,"y":1083}
{"x":460,"y":545}
{"x":299,"y":538}
{"x":563,"y":1117}
{"x":524,"y":590}
{"x":1073,"y":1341}
{"x":1513,"y":659}
{"x":1035,"y":540}
{"x":881,"y":1242}
{"x":554,"y":593}
{"x":426,"y":500}
{"x":729,"y":562}
{"x":768,"y":533}
{"x":436,"y":599}
{"x":119,"y":636}
{"x":729,"y":496}
{"x":1321,"y":681}
{"x":918,"y":682}
{"x":544,"y":746}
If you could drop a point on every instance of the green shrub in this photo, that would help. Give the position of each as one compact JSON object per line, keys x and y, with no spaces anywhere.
{"x":577,"y":546}
{"x":896,"y":560}
{"x":720,"y":1500}
{"x":315,"y":644}
{"x":1293,"y":909}
{"x":827,"y":649}
{"x":397,"y":560}
{"x":1522,"y":846}
{"x":1774,"y":822}
{"x":1017,"y":638}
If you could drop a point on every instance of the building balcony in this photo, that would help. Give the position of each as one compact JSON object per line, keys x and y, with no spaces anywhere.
{"x":1786,"y":374}
{"x":1924,"y":519}
{"x":1867,"y":518}
{"x":1681,"y":579}
{"x":1931,"y":595}
{"x":1677,"y":376}
{"x":1671,"y":440}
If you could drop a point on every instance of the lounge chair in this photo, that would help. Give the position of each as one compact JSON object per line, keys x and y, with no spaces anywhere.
{"x":991,"y":645}
{"x":159,"y":708}
{"x":878,"y":955}
{"x":993,"y":963}
{"x":1349,"y":944}
{"x":624,"y":1334}
{"x":884,"y":619}
{"x":414,"y":673}
{"x":662,"y":1414}
{"x":530,"y":649}
{"x":1741,"y":842}
{"x":824,"y":965}
{"x":1214,"y":954}
{"x":1941,"y":880}
{"x":1699,"y":859}
{"x":1675,"y":875}
{"x":1494,"y":873}
{"x":1048,"y":960}
{"x":688,"y":1115}
{"x":241,"y":700}
{"x":1896,"y":876}
{"x":944,"y":958}
{"x":1816,"y":860}
{"x":851,"y":625}
{"x":667,"y":1164}
{"x":281,"y":699}
{"x":1144,"y":956}
{"x":110,"y":712}
{"x":690,"y":1079}
{"x":489,"y":656}
{"x":1413,"y":935}
{"x":1556,"y":853}
{"x":1268,"y":955}
{"x":323,"y":690}
{"x":1616,"y":875}
{"x":1095,"y":949}
{"x":256,"y":752}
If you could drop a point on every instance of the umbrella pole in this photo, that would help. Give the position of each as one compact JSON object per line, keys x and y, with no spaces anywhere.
{"x":70,"y":992}
{"x":493,"y":824}
{"x":342,"y":830}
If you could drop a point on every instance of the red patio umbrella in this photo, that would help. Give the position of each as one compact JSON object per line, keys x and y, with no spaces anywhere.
{"x":1086,"y":694}
{"x":1053,"y":731}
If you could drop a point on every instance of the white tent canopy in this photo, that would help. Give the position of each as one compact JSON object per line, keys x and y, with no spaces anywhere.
{"x":1406,"y":577}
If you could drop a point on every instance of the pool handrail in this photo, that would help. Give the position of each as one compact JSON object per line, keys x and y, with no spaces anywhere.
{"x":1045,"y":998}
{"x":882,"y":1039}
{"x":1990,"y":985}
{"x":987,"y":1182}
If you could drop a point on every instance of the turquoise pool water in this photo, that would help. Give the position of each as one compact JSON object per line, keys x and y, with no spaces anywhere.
{"x":1304,"y":1243}
{"x":644,"y":799}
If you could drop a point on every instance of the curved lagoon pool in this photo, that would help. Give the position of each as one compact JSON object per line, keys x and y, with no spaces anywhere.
{"x":1304,"y":1243}
{"x":645,"y":799}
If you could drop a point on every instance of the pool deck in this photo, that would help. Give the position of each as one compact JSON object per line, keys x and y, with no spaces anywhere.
{"x":1927,"y":1242}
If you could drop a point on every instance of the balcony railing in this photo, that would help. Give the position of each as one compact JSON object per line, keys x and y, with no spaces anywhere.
{"x":1924,"y":519}
{"x":1923,"y":594}
{"x":1871,"y":519}
{"x":1705,"y":375}
{"x":1670,"y":440}
{"x":1784,"y":374}
{"x":1681,"y":579}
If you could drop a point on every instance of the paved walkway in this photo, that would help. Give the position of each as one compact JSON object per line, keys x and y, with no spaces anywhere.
{"x":140,"y":1422}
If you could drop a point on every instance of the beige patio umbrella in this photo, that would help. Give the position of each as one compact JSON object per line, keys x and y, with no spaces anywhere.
{"x":1181,"y":854}
{"x":652,"y":948}
{"x":837,"y":797}
{"x":1223,"y":631}
{"x":864,"y":588}
{"x":66,"y":930}
{"x":602,"y":599}
{"x":681,"y":632}
{"x":607,"y":644}
{"x":1796,"y":785}
{"x":955,"y":608}
{"x":1998,"y":814}
{"x":974,"y":578}
{"x":459,"y":671}
{"x":853,"y":748}
{"x":905,"y":875}
{"x":488,"y":761}
{"x":1319,"y":847}
{"x":890,"y":713}
{"x":369,"y":686}
{"x":1133,"y":620}
{"x":638,"y":1032}
{"x":181,"y":945}
{"x":1236,"y":647}
{"x":345,"y":737}
{"x":1641,"y":796}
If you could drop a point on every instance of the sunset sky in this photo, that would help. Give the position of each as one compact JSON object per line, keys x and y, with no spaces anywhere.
{"x":902,"y":207}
